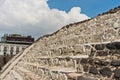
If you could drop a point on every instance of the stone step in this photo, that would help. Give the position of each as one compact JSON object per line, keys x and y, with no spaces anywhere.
{"x":91,"y":53}
{"x":33,"y":66}
{"x":45,"y":75}
{"x":63,"y":57}
{"x":60,"y":50}
{"x":92,"y":49}
{"x":74,"y":38}
{"x":15,"y":75}
{"x":38,"y":58}
{"x":58,"y":61}
{"x":103,"y":67}
{"x":27,"y":74}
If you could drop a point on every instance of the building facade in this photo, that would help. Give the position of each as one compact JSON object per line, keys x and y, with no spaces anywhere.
{"x":14,"y":43}
{"x":9,"y":48}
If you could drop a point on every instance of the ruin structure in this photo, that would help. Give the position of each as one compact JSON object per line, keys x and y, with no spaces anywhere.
{"x":87,"y":50}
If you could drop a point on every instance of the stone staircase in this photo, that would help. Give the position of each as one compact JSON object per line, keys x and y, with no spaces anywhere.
{"x":89,"y":50}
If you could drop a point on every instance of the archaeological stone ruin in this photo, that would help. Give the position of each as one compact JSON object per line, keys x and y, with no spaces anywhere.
{"x":87,"y":50}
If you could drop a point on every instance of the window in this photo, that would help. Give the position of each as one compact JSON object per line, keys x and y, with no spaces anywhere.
{"x":23,"y":48}
{"x":17,"y":50}
{"x":11,"y":49}
{"x":5,"y":48}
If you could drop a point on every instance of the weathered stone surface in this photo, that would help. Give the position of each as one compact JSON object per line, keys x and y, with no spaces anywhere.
{"x":117,"y":74}
{"x":93,"y":70}
{"x":115,"y":63}
{"x":106,"y":71}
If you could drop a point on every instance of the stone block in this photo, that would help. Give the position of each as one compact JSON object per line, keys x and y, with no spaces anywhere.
{"x":106,"y":72}
{"x":117,"y":74}
{"x":93,"y":70}
{"x":114,"y":45}
{"x":85,"y":68}
{"x":104,"y":63}
{"x":115,"y":63}
{"x":84,"y":61}
{"x":110,"y":46}
{"x":99,"y":46}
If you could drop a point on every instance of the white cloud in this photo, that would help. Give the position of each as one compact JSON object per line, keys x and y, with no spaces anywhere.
{"x":34,"y":17}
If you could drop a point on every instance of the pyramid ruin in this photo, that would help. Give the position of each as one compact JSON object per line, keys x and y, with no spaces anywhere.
{"x":87,"y":50}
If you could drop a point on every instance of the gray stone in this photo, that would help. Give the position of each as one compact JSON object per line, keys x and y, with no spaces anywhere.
{"x":117,"y":45}
{"x":84,"y":61}
{"x":67,"y":58}
{"x":114,"y":45}
{"x":85,"y":68}
{"x":117,"y":74}
{"x":99,"y":46}
{"x":106,"y":71}
{"x":115,"y":63}
{"x":93,"y":70}
{"x":110,"y":46}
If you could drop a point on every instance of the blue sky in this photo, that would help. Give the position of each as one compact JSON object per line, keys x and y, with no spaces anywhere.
{"x":90,"y":7}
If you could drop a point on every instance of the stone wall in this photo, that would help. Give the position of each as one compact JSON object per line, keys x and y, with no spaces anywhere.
{"x":88,"y":50}
{"x":104,"y":62}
